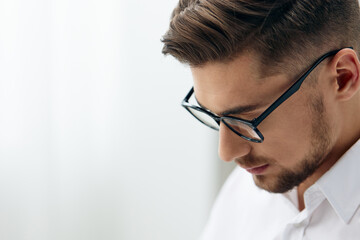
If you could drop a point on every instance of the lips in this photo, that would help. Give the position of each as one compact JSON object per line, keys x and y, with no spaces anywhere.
{"x":257,"y":170}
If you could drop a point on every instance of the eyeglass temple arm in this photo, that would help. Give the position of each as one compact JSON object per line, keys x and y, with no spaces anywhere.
{"x":186,"y":99}
{"x":295,"y":87}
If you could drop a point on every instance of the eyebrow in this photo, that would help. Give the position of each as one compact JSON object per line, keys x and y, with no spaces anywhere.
{"x":235,"y":110}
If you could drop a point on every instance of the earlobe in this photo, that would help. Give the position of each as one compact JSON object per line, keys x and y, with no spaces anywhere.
{"x":347,"y":68}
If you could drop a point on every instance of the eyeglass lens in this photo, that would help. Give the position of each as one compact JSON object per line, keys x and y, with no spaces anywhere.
{"x":241,"y":128}
{"x":235,"y":125}
{"x":204,"y":118}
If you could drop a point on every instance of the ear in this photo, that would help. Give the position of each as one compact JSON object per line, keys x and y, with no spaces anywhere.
{"x":347,"y":74}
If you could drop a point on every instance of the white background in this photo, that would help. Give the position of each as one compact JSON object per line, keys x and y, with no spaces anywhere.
{"x":93,"y":141}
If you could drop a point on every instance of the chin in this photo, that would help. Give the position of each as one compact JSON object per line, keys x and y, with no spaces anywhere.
{"x":274,"y":184}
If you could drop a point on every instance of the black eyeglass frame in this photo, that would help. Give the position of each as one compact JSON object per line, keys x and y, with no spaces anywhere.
{"x":256,"y":121}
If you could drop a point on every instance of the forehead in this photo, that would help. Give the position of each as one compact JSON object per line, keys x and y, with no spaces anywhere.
{"x":220,"y":86}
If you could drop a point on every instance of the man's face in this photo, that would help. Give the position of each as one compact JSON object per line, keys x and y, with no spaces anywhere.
{"x":297,"y":136}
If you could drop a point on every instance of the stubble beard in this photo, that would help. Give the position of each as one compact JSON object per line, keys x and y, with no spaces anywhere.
{"x":320,"y":146}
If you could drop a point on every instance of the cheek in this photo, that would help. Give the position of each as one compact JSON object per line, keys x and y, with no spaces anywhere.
{"x":333,"y":118}
{"x":287,"y":134}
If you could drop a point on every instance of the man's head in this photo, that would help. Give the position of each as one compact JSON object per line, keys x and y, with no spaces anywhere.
{"x":246,"y":53}
{"x":204,"y":31}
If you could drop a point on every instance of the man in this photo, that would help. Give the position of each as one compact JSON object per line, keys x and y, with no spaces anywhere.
{"x":280,"y":81}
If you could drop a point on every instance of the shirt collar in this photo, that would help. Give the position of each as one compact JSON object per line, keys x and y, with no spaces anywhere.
{"x":341,"y":184}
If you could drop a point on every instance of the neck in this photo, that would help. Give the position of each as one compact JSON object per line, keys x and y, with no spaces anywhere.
{"x":349,"y":133}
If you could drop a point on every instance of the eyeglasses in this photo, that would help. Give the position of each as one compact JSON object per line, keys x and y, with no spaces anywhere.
{"x":244,"y":128}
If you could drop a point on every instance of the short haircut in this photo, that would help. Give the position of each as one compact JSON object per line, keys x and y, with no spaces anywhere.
{"x":203,"y":31}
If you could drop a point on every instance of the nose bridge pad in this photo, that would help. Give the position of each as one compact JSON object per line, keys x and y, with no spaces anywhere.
{"x":223,"y":125}
{"x":218,"y":121}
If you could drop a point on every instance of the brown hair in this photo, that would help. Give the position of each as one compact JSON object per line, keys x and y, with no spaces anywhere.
{"x":204,"y":31}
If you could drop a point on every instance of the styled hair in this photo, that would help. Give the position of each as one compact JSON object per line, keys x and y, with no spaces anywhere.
{"x":204,"y":31}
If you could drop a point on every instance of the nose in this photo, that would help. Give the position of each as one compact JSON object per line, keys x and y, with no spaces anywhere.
{"x":232,"y":146}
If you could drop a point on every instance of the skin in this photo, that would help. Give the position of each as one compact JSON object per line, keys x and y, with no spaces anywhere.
{"x":305,"y":136}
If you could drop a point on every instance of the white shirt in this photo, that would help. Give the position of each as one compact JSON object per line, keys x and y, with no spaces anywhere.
{"x":242,"y":211}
